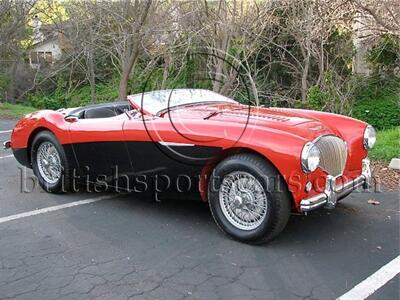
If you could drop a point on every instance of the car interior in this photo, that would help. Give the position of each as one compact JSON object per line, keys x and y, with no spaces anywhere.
{"x":104,"y":110}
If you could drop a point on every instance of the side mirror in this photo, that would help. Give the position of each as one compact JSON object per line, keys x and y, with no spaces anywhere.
{"x":71,"y":119}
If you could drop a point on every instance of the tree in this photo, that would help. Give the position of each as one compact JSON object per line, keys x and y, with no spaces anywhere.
{"x":231,"y":32}
{"x":13,"y":21}
{"x":128,"y":24}
{"x":385,"y":13}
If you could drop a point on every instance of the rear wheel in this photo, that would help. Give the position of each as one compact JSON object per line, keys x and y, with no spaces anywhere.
{"x":248,"y":198}
{"x":49,"y":163}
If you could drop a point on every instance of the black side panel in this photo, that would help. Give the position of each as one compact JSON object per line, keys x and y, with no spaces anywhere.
{"x":154,"y":158}
{"x":157,"y":165}
{"x":69,"y":153}
{"x":21,"y":155}
{"x":170,"y":169}
{"x":101,"y":158}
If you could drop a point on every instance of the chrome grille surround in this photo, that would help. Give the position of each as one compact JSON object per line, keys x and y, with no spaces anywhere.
{"x":333,"y":154}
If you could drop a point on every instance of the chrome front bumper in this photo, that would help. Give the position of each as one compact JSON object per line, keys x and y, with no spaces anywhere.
{"x":333,"y":193}
{"x":7,"y":145}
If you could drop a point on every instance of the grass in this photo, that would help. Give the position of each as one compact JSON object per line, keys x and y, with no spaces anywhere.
{"x":387,"y":145}
{"x":14,"y":111}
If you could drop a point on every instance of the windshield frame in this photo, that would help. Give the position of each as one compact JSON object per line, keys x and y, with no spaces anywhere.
{"x":139,"y":107}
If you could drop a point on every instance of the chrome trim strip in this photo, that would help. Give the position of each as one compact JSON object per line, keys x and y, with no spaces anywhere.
{"x":176,"y":144}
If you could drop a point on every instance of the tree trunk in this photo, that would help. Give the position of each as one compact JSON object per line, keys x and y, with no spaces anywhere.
{"x":321,"y":66}
{"x":91,"y":66}
{"x":127,"y":68}
{"x":167,"y":60}
{"x":220,"y":61}
{"x":304,"y":82}
{"x":123,"y":85}
{"x":218,"y":78}
{"x":12,"y":87}
{"x":130,"y":52}
{"x":223,"y":34}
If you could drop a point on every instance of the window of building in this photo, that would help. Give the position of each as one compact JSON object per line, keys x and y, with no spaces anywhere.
{"x":40,"y":57}
{"x":34,"y":57}
{"x":48,"y":57}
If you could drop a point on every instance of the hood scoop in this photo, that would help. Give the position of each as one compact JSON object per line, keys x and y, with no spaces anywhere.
{"x":257,"y":116}
{"x":262,"y":116}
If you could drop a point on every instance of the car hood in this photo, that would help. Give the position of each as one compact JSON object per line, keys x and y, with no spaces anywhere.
{"x":289,"y":121}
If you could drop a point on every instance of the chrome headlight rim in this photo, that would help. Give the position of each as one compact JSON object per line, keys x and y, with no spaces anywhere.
{"x":309,"y":151}
{"x":369,"y":138}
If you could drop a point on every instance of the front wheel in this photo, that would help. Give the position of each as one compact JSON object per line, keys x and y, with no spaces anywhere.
{"x":49,"y":163}
{"x":248,"y":198}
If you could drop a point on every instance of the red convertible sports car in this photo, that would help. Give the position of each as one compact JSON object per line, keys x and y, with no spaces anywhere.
{"x":254,"y":165}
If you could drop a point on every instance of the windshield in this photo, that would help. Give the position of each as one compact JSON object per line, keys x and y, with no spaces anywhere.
{"x":158,"y":101}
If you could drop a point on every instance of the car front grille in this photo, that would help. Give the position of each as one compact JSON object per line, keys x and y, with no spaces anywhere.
{"x":333,"y":154}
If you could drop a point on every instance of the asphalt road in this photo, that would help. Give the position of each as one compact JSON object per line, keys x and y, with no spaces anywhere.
{"x":129,"y":247}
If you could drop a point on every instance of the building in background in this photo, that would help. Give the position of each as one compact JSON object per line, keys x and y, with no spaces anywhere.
{"x":49,"y":41}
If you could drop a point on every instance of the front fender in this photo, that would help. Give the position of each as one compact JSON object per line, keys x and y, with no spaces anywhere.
{"x":281,"y":148}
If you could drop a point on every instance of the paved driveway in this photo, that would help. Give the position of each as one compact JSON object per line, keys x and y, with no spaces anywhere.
{"x":124,"y":246}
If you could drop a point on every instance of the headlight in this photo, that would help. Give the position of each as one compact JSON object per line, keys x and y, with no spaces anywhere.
{"x":310,"y":157}
{"x":369,"y":137}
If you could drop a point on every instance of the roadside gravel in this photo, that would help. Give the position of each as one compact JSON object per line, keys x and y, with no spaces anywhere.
{"x":387,"y":179}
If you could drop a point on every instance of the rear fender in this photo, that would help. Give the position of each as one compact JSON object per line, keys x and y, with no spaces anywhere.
{"x":30,"y":125}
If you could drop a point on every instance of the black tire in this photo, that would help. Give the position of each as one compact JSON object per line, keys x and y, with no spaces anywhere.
{"x":63,"y":184}
{"x":278,"y":198}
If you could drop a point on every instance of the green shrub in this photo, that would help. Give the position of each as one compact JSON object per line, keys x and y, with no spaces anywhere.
{"x":315,"y":97}
{"x":45,"y":101}
{"x":377,"y":103}
{"x":82,"y":96}
{"x":382,"y":113}
{"x":79,"y":97}
{"x":106,"y":93}
{"x":334,"y":94}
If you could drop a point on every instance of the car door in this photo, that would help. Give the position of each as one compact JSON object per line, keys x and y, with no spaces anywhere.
{"x":99,"y":148}
{"x":159,"y":152}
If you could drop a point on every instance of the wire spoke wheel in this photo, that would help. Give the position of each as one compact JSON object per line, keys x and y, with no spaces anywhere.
{"x":48,"y":162}
{"x":243,"y":200}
